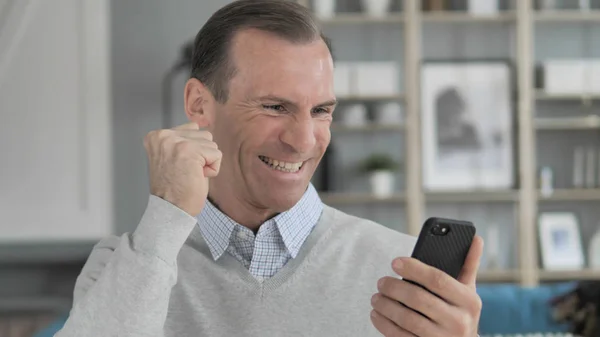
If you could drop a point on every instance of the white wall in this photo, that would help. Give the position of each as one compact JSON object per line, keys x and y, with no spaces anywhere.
{"x":147,"y":35}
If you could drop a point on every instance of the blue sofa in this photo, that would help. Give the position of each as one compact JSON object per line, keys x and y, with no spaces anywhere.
{"x":510,"y":309}
{"x":507,"y":309}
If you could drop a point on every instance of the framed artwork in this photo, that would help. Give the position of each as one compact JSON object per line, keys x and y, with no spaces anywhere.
{"x":560,"y":241}
{"x":467,"y":125}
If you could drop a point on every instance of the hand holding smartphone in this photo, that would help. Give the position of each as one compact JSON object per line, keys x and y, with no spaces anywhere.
{"x":444,"y":244}
{"x":455,"y":308}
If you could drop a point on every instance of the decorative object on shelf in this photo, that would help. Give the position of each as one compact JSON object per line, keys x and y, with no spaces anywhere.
{"x":342,"y":78}
{"x":458,"y":5}
{"x":578,"y":167}
{"x":376,"y":8}
{"x":435,"y":5}
{"x":366,"y":79}
{"x":483,"y":7}
{"x":594,"y":250}
{"x":324,"y":9}
{"x":571,"y":77}
{"x":560,"y":241}
{"x":564,"y":77}
{"x":584,"y":5}
{"x":354,"y":114}
{"x":467,"y":125}
{"x":546,"y":182}
{"x":380,"y":168}
{"x":546,"y":5}
{"x":590,"y":168}
{"x":375,"y":79}
{"x":388,"y":113}
{"x":594,"y":68}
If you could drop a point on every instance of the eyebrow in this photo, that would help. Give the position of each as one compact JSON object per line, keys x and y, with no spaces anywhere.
{"x":332,"y":102}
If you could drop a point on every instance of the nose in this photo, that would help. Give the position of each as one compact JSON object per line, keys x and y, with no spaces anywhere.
{"x":299,"y":134}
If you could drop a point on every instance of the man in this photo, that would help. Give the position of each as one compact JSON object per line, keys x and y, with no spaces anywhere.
{"x":234,"y":240}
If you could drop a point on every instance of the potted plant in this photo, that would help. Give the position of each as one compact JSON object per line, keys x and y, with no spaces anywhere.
{"x":388,"y":113}
{"x":380,"y":168}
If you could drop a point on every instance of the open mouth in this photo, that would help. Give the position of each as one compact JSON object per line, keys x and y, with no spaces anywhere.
{"x":281,"y":165}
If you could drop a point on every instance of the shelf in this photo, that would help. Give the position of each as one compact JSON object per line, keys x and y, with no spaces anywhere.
{"x":367,"y":128}
{"x":577,"y":123}
{"x":456,"y":16}
{"x":473,"y":196}
{"x":544,"y":96}
{"x":591,"y":194}
{"x":584,"y":274}
{"x":374,"y":98}
{"x":567,"y":16}
{"x":75,"y":253}
{"x":41,"y":303}
{"x":509,"y":275}
{"x":349,"y":18}
{"x":359,"y":198}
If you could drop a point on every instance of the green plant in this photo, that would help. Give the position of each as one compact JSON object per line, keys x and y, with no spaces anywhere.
{"x":378,"y":162}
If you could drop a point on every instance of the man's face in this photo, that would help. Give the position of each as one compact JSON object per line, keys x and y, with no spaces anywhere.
{"x":275,"y":126}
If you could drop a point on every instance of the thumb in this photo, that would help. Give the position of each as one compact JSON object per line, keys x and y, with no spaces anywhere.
{"x":468,"y":274}
{"x":187,"y":126}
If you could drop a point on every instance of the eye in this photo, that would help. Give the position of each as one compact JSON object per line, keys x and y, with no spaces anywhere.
{"x":276,"y":107}
{"x":320,"y":111}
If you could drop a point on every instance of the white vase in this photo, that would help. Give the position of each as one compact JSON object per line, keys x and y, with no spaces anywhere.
{"x":382,"y":183}
{"x":389,"y":113}
{"x":355,"y":115}
{"x":376,"y":8}
{"x":324,"y":9}
{"x":483,"y":7}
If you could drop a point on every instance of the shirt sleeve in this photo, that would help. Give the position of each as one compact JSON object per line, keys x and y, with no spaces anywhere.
{"x":125,"y":285}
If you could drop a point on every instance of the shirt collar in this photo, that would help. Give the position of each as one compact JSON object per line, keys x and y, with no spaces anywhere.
{"x":294,"y":225}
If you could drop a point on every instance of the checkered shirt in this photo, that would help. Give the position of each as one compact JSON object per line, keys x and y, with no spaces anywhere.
{"x":277,"y":241}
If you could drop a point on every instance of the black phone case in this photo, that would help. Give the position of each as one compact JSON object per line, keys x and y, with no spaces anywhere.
{"x":446,"y":252}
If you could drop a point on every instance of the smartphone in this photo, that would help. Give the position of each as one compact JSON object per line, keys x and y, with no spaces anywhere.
{"x":444,"y":244}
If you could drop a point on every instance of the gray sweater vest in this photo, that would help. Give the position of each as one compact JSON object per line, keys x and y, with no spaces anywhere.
{"x":161,"y":280}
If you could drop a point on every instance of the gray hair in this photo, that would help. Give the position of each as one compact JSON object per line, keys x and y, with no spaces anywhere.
{"x":211,"y":62}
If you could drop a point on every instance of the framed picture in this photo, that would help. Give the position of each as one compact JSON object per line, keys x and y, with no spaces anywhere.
{"x":560,"y":241}
{"x":467,"y":125}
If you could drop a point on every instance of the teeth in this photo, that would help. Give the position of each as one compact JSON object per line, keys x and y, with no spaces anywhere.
{"x":281,"y":165}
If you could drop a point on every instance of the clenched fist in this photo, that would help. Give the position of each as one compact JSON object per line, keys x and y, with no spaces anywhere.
{"x":180,"y":162}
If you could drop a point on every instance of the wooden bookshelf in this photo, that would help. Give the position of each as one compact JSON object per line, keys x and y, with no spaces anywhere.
{"x":527,"y":199}
{"x":591,"y":194}
{"x":567,"y":16}
{"x":584,"y":274}
{"x":591,"y":122}
{"x":541,"y":95}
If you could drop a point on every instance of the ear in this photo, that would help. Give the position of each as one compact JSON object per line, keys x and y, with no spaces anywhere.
{"x":199,"y":103}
